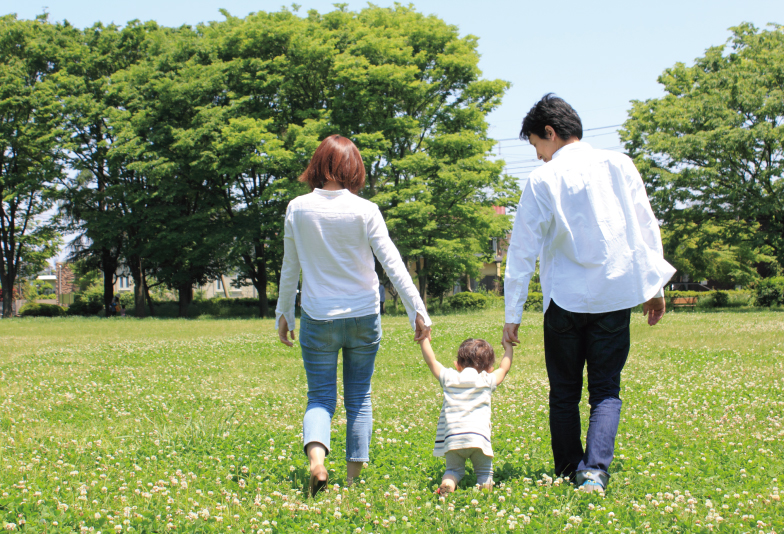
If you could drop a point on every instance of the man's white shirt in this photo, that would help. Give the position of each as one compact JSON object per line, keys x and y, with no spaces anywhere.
{"x":587,"y":217}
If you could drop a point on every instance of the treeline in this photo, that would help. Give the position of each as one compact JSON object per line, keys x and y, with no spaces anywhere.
{"x":173,"y":152}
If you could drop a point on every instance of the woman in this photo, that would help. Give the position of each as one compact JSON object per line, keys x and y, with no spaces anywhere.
{"x":331,"y":235}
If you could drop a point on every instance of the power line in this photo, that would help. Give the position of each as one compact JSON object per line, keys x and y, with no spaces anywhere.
{"x":586,"y":130}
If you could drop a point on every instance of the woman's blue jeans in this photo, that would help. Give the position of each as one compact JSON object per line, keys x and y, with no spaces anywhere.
{"x":358,"y":338}
{"x":572,"y":341}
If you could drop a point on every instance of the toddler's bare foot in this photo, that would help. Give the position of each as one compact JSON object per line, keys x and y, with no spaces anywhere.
{"x":487,"y":487}
{"x":447,"y":486}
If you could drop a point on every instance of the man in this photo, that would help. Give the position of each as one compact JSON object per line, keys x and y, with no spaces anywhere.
{"x":586,"y":214}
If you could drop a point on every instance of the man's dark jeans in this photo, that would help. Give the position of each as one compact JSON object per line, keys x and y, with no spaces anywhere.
{"x":570,"y":341}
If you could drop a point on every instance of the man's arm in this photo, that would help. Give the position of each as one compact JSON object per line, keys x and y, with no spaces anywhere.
{"x":430,"y":358}
{"x":532,"y":221}
{"x":506,"y":363}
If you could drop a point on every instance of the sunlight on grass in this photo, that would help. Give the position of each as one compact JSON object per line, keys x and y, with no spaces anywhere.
{"x":195,"y":426}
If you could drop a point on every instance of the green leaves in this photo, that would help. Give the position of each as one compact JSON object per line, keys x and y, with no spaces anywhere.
{"x":712,"y":149}
{"x":30,"y":154}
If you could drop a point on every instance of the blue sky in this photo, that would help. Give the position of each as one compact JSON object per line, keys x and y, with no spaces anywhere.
{"x":596,"y":55}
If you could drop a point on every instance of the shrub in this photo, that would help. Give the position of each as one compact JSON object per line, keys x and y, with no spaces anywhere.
{"x":34,"y":309}
{"x":89,"y":302}
{"x":534,"y":302}
{"x":720,"y":299}
{"x":468,"y":301}
{"x":770,"y":291}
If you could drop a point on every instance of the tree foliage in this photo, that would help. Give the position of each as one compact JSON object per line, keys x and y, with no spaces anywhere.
{"x":711,"y":152}
{"x":186,"y":143}
{"x":29,"y":148}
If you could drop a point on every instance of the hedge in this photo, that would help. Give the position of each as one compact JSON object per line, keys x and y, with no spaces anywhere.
{"x":467,"y":301}
{"x":35,"y":309}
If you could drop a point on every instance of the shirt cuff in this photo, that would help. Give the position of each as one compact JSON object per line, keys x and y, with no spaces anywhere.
{"x":291,"y":321}
{"x":659,"y":294}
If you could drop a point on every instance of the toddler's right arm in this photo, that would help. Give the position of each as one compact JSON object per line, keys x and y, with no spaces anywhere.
{"x":430,"y":358}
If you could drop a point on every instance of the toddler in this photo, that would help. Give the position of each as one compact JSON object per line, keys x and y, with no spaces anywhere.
{"x":464,"y":424}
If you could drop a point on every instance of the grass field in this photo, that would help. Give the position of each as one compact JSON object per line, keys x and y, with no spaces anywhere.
{"x":194,"y":426}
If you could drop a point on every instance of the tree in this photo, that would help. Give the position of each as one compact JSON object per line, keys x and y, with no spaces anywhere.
{"x":168,"y":119}
{"x":29,"y":149}
{"x":94,"y":198}
{"x":711,"y":150}
{"x":722,"y":252}
{"x":406,"y":88}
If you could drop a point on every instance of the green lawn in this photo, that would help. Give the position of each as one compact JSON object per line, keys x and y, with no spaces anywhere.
{"x":194,"y":426}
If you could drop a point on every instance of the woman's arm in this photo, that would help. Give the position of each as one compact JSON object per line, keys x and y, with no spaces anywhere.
{"x":390,"y":259}
{"x":287,"y":289}
{"x":430,"y":358}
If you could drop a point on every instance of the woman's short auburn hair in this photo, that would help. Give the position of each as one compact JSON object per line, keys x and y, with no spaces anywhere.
{"x":336,"y":159}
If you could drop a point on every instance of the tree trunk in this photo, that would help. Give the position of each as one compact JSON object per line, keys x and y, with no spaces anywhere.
{"x":147,"y":294}
{"x":186,"y":297}
{"x":109,"y":268}
{"x":138,"y":286}
{"x":261,"y":280}
{"x":8,"y":295}
{"x":422,"y":275}
{"x":468,"y":283}
{"x":225,"y":287}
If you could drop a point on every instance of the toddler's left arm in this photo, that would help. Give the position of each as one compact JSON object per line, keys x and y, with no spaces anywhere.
{"x":506,"y":362}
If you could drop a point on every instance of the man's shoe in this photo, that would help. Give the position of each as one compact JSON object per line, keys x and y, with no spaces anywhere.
{"x":590,"y":486}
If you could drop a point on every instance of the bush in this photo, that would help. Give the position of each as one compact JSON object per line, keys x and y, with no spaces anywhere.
{"x":34,"y":309}
{"x":89,"y":302}
{"x":770,"y":291}
{"x":534,"y":302}
{"x":467,"y":301}
{"x":720,"y":299}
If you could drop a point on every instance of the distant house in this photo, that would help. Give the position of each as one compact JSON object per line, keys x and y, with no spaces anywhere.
{"x":489,"y":276}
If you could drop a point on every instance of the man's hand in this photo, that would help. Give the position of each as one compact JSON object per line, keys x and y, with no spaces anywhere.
{"x":422,"y":331}
{"x":510,"y":334}
{"x":283,"y":330}
{"x":654,"y":309}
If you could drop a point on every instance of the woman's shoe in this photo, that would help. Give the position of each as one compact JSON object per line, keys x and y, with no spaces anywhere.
{"x":318,"y":480}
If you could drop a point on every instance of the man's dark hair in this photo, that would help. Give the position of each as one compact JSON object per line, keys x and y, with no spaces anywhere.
{"x":554,"y":112}
{"x":476,"y":353}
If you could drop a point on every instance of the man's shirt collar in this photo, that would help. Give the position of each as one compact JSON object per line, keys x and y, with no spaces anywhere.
{"x":571,"y":147}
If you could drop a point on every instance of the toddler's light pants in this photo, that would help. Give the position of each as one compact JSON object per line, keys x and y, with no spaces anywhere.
{"x":483,"y":465}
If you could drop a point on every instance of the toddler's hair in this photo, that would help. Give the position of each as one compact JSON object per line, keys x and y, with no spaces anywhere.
{"x":476,"y":353}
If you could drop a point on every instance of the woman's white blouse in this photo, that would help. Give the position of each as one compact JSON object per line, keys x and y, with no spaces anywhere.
{"x":331,"y":236}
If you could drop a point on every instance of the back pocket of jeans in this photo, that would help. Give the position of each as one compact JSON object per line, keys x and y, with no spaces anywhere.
{"x":314,"y":334}
{"x":615,"y":321}
{"x":369,"y":330}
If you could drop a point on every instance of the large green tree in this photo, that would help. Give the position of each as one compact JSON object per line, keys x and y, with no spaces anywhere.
{"x":407,"y":89}
{"x":711,"y":151}
{"x":29,"y":148}
{"x":96,"y":197}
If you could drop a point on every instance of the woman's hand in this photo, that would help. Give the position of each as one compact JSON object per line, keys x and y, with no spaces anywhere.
{"x":422,"y":331}
{"x":283,"y":329}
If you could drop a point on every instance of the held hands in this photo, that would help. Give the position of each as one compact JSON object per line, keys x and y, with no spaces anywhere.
{"x":283,"y":330}
{"x":510,"y":334}
{"x":422,"y":332}
{"x":654,"y":309}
